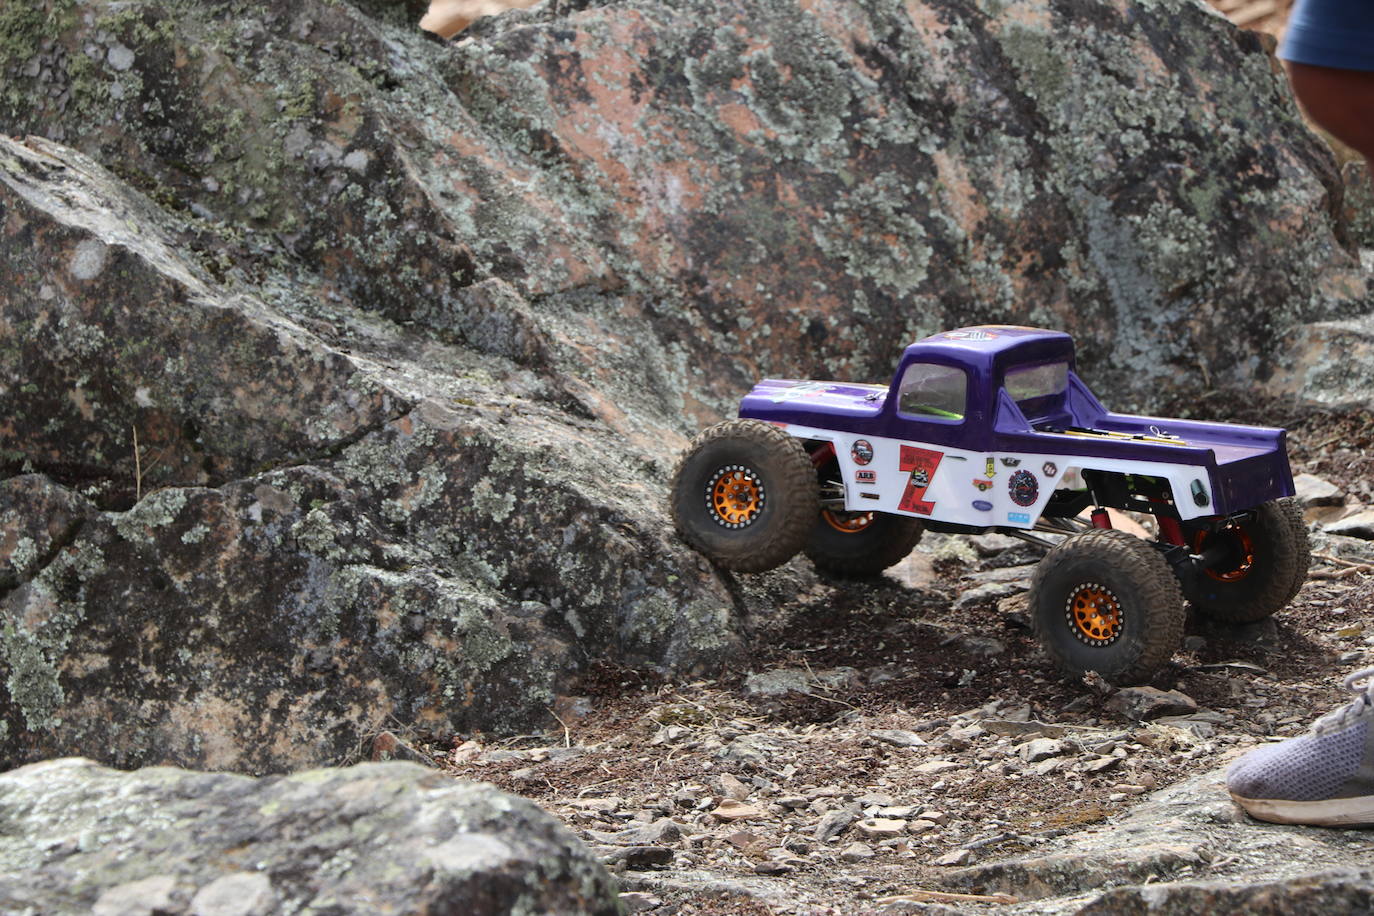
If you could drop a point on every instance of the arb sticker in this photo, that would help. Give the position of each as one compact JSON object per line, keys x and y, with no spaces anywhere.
{"x":866,"y":477}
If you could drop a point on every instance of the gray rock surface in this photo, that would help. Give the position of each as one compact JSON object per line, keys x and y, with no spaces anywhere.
{"x":342,"y":371}
{"x":375,"y":838}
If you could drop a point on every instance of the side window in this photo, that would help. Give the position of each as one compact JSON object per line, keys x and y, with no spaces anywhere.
{"x":930,"y":390}
{"x":1027,"y":383}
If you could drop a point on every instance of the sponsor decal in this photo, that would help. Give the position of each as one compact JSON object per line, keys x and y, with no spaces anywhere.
{"x":969,"y":334}
{"x":991,"y":469}
{"x":1199,"y":493}
{"x":866,"y":477}
{"x":804,"y":390}
{"x":870,"y":496}
{"x":1011,"y":462}
{"x":1049,"y":469}
{"x":982,"y":505}
{"x":920,"y":465}
{"x":861,"y":451}
{"x":1023,"y":487}
{"x":1019,"y":518}
{"x":983,"y":485}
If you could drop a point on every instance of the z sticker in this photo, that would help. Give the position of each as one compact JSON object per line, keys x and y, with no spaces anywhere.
{"x":1011,"y":462}
{"x":866,"y":477}
{"x":920,"y":464}
{"x":1024,"y":488}
{"x":861,"y":451}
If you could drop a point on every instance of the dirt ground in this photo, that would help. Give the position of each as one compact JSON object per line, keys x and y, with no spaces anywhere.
{"x":909,"y":721}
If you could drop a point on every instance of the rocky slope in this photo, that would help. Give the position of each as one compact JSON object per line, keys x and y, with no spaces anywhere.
{"x":342,"y":369}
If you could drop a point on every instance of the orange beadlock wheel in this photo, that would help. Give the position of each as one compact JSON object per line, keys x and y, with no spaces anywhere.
{"x":735,"y":496}
{"x":847,"y":522}
{"x":1246,"y":547}
{"x":1095,"y":614}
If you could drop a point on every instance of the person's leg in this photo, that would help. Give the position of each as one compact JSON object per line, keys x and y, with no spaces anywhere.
{"x":1341,"y":101}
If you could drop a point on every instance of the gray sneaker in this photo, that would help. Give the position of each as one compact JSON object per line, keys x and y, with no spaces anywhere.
{"x":1325,"y":777}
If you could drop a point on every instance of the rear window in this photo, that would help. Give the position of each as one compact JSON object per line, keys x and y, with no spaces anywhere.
{"x":932,"y":390}
{"x":1028,"y":383}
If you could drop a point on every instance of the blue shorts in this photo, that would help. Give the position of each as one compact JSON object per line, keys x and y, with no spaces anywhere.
{"x":1331,"y":33}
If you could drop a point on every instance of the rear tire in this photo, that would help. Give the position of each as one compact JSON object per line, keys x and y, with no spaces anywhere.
{"x":1269,"y":564}
{"x":858,"y":545}
{"x":1107,"y":601}
{"x":744,"y":494}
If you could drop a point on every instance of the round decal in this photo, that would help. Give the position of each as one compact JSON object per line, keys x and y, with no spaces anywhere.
{"x":861,"y":451}
{"x":1024,"y":488}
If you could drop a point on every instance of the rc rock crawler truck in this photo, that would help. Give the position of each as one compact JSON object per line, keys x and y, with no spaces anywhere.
{"x":991,"y":429}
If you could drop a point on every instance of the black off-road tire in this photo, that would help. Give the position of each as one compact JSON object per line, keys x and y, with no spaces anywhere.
{"x":1107,"y":601}
{"x":1302,"y":545}
{"x":858,"y":545}
{"x":744,"y":494}
{"x":1277,"y":555}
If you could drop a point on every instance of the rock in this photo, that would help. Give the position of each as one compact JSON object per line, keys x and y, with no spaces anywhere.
{"x":730,"y":810}
{"x":375,"y":837}
{"x":1311,"y":490}
{"x":987,"y":595}
{"x":835,"y":823}
{"x":954,"y":858}
{"x":856,"y":852}
{"x":731,"y":787}
{"x":936,"y":767}
{"x":637,"y":901}
{"x":897,"y":736}
{"x":777,"y":682}
{"x":1139,"y":703}
{"x":638,"y":857}
{"x":1039,"y":749}
{"x":880,"y":828}
{"x":1357,"y":525}
{"x":365,"y":400}
{"x":386,"y":746}
{"x":1339,"y":891}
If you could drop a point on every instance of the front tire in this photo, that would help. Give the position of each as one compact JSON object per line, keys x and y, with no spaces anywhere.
{"x":744,"y":494}
{"x":1267,"y":565}
{"x":1107,"y":601}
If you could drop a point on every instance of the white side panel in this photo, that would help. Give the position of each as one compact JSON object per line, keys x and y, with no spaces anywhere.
{"x":1004,"y":489}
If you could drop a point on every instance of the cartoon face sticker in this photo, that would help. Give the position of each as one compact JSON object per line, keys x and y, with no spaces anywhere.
{"x":920,"y":477}
{"x":861,"y":451}
{"x":1024,"y":488}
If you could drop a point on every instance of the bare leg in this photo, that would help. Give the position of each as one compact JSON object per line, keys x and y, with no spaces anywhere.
{"x":1341,"y":101}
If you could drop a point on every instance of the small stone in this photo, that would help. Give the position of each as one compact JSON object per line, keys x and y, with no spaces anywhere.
{"x":237,"y":894}
{"x":730,"y":810}
{"x":793,"y":802}
{"x":1041,"y":749}
{"x":769,"y":867}
{"x":955,"y":858}
{"x":1048,"y":766}
{"x":920,"y":826}
{"x":938,"y":817}
{"x":637,"y":901}
{"x":856,"y":852}
{"x":1140,"y":703}
{"x":778,"y":682}
{"x":935,"y":767}
{"x":897,"y":736}
{"x":1358,"y":525}
{"x":881,"y":828}
{"x":731,"y":787}
{"x":1311,"y":490}
{"x":148,"y":897}
{"x":640,"y":857}
{"x":834,"y":824}
{"x":1100,"y":764}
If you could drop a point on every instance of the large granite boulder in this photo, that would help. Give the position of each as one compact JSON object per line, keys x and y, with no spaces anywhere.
{"x":375,"y":838}
{"x":341,"y":370}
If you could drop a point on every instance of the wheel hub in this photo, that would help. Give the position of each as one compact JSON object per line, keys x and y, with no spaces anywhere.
{"x":847,"y":522}
{"x":1094,"y":614}
{"x":734,"y":496}
{"x":1240,"y":560}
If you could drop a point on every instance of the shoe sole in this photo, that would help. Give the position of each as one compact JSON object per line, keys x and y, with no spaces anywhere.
{"x":1331,"y":812}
